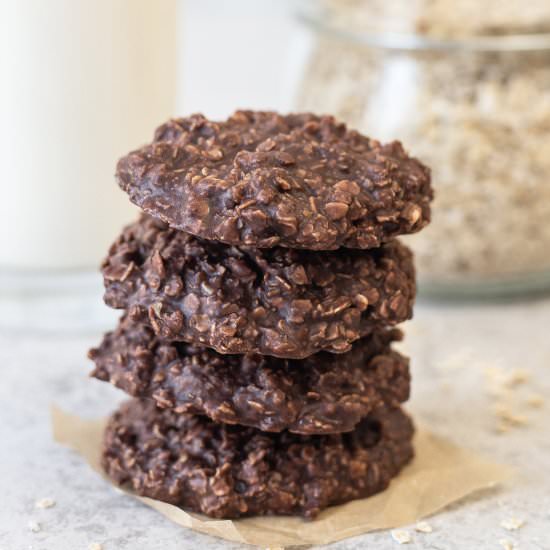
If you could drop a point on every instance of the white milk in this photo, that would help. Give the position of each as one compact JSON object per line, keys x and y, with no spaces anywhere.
{"x":81,"y":83}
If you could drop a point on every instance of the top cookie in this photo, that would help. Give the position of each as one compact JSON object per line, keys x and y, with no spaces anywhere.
{"x":265,"y":180}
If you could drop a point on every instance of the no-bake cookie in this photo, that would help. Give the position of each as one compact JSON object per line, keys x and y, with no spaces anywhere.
{"x":232,"y":471}
{"x":325,"y":393}
{"x":261,"y":179}
{"x":278,"y":301}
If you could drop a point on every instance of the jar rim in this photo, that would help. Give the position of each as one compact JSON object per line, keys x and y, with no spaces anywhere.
{"x":418,"y":42}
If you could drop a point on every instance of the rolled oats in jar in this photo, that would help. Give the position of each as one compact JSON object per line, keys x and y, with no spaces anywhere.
{"x":469,"y":91}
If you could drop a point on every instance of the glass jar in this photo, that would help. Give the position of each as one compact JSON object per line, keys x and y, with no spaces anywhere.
{"x":477,"y":111}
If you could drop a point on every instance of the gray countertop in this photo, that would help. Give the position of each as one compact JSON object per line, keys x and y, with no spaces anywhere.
{"x":481,"y":374}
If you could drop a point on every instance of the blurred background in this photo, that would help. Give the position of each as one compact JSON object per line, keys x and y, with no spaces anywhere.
{"x":466,"y":90}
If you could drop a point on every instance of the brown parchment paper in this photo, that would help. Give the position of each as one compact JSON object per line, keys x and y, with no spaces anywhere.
{"x":440,"y":474}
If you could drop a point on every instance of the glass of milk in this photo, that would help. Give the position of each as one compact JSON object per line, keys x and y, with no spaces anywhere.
{"x":82,"y":83}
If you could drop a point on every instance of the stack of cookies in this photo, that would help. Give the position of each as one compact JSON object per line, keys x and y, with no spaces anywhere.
{"x":260,"y":290}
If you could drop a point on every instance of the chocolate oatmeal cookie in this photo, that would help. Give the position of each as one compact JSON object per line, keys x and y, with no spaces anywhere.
{"x":278,"y":301}
{"x":261,"y":179}
{"x":231,"y":471}
{"x":325,"y":393}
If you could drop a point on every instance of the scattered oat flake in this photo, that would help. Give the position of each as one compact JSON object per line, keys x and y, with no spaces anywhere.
{"x":512,"y":524}
{"x":502,"y":428}
{"x":506,"y":544}
{"x":34,"y":526}
{"x":45,"y":503}
{"x":95,"y":546}
{"x":423,"y":527}
{"x":536,"y":401}
{"x":516,"y":377}
{"x":509,"y":417}
{"x":400,"y":536}
{"x":516,"y":420}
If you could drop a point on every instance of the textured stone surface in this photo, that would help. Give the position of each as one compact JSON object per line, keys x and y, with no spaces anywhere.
{"x":451,"y":346}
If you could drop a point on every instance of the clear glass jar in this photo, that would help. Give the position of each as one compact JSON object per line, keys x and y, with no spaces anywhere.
{"x":477,"y":111}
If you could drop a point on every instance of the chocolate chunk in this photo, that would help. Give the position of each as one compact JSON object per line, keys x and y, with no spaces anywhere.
{"x":279,"y":301}
{"x":231,"y":471}
{"x":261,"y":179}
{"x":325,"y":393}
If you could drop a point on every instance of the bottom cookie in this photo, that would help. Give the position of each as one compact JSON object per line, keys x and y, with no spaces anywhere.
{"x":228,"y":471}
